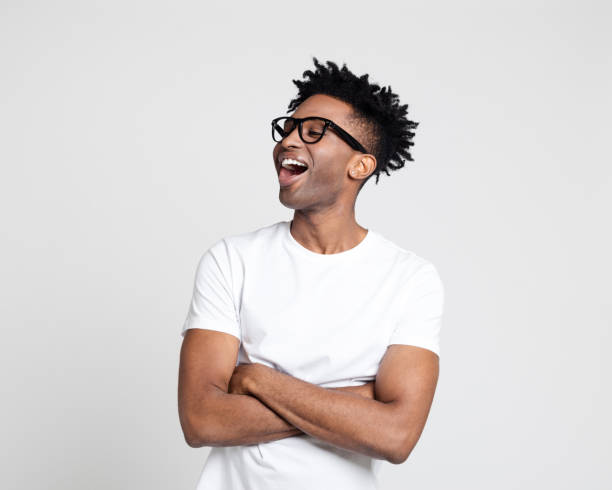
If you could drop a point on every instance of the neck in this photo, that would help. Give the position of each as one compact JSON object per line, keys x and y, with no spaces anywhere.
{"x":327,"y":233}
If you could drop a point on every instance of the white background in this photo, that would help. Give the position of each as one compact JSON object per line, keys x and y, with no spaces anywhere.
{"x":135,"y":134}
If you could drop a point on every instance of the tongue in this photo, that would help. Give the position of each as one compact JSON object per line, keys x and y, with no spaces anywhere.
{"x":285,"y":172}
{"x":286,"y":176}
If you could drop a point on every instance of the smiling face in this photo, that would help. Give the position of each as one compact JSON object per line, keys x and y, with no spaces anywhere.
{"x":328,"y":181}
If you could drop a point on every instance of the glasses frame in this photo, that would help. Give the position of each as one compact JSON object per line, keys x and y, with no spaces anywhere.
{"x":297,"y":121}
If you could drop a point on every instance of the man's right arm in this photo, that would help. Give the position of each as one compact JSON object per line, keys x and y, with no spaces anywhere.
{"x":209,"y":415}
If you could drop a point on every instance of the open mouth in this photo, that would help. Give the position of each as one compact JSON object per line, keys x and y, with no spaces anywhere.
{"x":294,"y":169}
{"x":290,"y":172}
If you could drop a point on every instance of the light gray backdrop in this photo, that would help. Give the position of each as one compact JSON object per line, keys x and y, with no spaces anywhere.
{"x":135,"y":134}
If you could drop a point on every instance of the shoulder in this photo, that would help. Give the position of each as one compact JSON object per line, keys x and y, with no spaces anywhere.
{"x":236,"y":247}
{"x":403,"y":258}
{"x":255,"y":236}
{"x":226,"y":258}
{"x":414,"y":273}
{"x":255,"y":239}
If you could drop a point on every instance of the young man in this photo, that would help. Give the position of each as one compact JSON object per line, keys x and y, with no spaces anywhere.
{"x":310,"y":350}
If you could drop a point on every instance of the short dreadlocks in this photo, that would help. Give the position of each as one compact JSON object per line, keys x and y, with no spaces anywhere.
{"x":387,"y":131}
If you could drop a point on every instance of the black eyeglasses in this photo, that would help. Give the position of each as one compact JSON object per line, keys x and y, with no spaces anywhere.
{"x":311,"y":129}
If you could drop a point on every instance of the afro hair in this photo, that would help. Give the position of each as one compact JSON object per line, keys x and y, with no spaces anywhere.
{"x":387,"y":131}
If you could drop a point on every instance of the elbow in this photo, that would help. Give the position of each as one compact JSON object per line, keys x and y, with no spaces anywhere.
{"x":194,"y":440}
{"x":398,"y":457}
{"x":401,"y":449}
{"x":193,"y":437}
{"x":191,"y":441}
{"x":199,"y":422}
{"x":196,"y":432}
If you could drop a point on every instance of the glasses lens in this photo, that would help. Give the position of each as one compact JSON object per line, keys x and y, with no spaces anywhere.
{"x":312,"y":130}
{"x":282,"y":128}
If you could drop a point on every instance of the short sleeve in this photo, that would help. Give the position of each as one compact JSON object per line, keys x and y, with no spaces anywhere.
{"x":212,"y":304}
{"x":421,"y":311}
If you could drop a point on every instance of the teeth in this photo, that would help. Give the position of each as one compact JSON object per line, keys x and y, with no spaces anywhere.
{"x":289,"y":161}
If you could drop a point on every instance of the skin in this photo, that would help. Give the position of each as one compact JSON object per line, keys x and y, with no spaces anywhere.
{"x":221,"y":404}
{"x":324,"y":198}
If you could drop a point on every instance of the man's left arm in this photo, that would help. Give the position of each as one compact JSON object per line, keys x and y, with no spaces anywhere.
{"x":387,"y":427}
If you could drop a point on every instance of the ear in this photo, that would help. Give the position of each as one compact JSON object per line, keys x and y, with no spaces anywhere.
{"x":363,"y":166}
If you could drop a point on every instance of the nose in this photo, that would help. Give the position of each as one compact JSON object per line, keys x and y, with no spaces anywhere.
{"x":292,"y":139}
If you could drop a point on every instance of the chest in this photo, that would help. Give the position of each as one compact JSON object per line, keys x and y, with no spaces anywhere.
{"x":326,"y":325}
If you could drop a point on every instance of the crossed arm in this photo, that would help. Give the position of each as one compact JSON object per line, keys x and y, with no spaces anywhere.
{"x":221,"y":404}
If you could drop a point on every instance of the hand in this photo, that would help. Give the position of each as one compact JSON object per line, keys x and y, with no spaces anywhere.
{"x":241,"y":378}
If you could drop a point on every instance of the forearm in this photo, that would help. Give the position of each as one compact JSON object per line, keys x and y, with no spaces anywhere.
{"x":351,"y":422}
{"x":233,"y":420}
{"x":228,"y":419}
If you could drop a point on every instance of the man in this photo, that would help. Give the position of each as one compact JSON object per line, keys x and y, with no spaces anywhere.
{"x":310,"y":350}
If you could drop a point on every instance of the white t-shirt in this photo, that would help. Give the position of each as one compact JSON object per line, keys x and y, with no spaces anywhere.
{"x":323,"y":318}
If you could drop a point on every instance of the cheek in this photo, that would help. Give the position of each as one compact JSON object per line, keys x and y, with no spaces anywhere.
{"x":327,"y":180}
{"x":329,"y":166}
{"x":325,"y":160}
{"x":276,"y":150}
